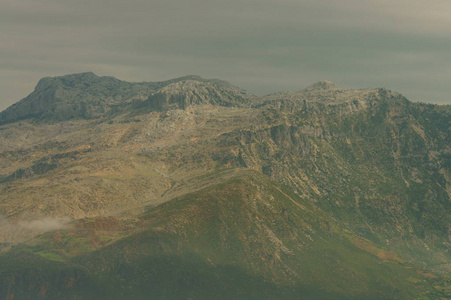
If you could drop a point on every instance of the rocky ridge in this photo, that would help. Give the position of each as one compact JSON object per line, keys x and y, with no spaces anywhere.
{"x":88,"y":96}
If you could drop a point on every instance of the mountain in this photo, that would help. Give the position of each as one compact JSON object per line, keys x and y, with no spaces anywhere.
{"x":194,"y":188}
{"x":88,"y":96}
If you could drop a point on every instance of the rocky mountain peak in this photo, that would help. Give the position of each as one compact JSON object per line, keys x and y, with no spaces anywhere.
{"x":186,"y":86}
{"x":67,"y":80}
{"x":190,"y":77}
{"x":322,"y":85}
{"x":86,"y":95}
{"x":184,"y":93}
{"x":83,"y":95}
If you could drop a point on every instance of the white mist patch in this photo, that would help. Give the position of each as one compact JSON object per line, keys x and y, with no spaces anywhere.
{"x":46,"y":224}
{"x":18,"y":231}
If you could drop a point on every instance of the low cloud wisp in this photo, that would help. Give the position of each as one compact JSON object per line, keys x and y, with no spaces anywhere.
{"x":11,"y":232}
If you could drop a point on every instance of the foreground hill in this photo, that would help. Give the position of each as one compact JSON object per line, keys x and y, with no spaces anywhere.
{"x":195,"y":188}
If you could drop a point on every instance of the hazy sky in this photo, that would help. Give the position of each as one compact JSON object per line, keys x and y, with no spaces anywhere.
{"x":261,"y":45}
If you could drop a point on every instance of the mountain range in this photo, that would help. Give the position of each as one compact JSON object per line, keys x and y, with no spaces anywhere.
{"x":193,"y":188}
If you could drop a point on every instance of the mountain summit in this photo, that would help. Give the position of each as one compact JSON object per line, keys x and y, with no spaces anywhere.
{"x":89,"y":96}
{"x":322,"y":85}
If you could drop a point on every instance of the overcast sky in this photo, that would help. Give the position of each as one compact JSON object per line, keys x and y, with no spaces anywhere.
{"x":263,"y":46}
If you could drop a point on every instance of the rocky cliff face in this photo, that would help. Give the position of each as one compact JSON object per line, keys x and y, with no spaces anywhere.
{"x":74,"y":96}
{"x":187,"y":93}
{"x":291,"y":187}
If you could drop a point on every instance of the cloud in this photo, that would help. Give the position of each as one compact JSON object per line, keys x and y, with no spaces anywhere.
{"x":11,"y":231}
{"x":261,"y":45}
{"x":46,"y":224}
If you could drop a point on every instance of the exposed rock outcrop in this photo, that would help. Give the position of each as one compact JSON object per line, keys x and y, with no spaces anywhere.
{"x":87,"y":96}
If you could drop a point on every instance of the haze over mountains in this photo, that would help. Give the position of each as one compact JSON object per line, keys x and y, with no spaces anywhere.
{"x":194,"y":188}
